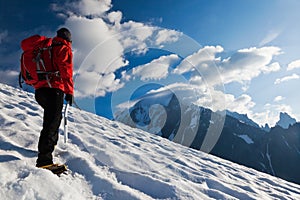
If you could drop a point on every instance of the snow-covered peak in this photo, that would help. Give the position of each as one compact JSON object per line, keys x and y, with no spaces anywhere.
{"x":109,"y":160}
{"x":285,"y":120}
{"x":243,"y":118}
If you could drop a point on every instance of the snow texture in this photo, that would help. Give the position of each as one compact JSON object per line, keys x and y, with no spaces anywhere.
{"x":247,"y":139}
{"x":109,"y":160}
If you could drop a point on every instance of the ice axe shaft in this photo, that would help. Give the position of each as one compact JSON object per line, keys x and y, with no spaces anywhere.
{"x":66,"y":122}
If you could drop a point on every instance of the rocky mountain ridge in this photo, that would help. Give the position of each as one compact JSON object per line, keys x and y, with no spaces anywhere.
{"x":275,"y":150}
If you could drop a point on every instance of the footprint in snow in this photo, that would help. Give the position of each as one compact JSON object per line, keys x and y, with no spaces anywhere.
{"x":32,"y":113}
{"x":27,"y":105}
{"x":6,"y":92}
{"x":7,"y":158}
{"x":9,"y":106}
{"x":148,"y":185}
{"x":20,"y":116}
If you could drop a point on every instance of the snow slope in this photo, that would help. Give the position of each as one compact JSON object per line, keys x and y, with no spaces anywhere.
{"x":109,"y":160}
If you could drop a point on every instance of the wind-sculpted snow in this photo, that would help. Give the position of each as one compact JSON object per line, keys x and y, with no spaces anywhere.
{"x":109,"y":160}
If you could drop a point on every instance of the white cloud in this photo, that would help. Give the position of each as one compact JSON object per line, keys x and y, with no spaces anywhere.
{"x":96,"y":53}
{"x":286,"y":78}
{"x":196,"y":80}
{"x":165,"y":35}
{"x":9,"y":77}
{"x":242,"y":66}
{"x":279,"y":98}
{"x":115,"y":17}
{"x":97,"y":50}
{"x":249,"y":63}
{"x":108,"y":83}
{"x":273,"y":67}
{"x":85,"y":83}
{"x":242,"y":104}
{"x":93,"y":84}
{"x":201,"y":60}
{"x":294,"y":65}
{"x":270,"y":113}
{"x":137,"y":37}
{"x":96,"y":32}
{"x":100,"y":42}
{"x":195,"y":94}
{"x":134,"y":36}
{"x":272,"y":35}
{"x":156,"y":69}
{"x":94,"y":8}
{"x":211,"y":98}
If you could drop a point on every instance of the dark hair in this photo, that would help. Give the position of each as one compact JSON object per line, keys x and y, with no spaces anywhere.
{"x":65,"y":34}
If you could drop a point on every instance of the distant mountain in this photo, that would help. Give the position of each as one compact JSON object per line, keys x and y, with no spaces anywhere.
{"x":282,"y":148}
{"x":266,"y":128}
{"x":243,"y":118}
{"x":241,"y":140}
{"x":285,"y":120}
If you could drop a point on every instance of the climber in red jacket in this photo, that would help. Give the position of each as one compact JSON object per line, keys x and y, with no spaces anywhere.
{"x":51,"y":95}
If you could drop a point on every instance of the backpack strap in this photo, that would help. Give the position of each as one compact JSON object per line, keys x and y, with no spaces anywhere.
{"x":24,"y":74}
{"x":38,"y":60}
{"x":40,"y":64}
{"x":55,"y":44}
{"x":50,"y":49}
{"x":20,"y":80}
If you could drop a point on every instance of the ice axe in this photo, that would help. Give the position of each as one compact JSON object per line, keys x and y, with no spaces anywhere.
{"x":66,"y":118}
{"x":66,"y":122}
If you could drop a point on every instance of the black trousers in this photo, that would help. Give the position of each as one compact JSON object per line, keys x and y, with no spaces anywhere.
{"x":51,"y":100}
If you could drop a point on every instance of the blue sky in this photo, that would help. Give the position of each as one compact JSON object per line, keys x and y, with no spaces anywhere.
{"x":233,"y":24}
{"x":248,"y":48}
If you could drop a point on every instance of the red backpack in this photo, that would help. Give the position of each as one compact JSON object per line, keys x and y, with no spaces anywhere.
{"x":36,"y":60}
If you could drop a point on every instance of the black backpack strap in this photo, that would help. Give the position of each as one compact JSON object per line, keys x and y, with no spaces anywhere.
{"x":55,"y":44}
{"x":20,"y":80}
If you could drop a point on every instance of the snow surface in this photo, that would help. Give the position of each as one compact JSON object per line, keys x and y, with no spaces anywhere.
{"x":109,"y":160}
{"x":246,"y":138}
{"x":243,"y":118}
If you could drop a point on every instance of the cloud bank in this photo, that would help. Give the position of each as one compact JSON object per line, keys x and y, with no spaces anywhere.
{"x":101,"y":41}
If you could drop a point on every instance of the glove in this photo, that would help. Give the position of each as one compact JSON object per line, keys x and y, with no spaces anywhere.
{"x":69,"y":99}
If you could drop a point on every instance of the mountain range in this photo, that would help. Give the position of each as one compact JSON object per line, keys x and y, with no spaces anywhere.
{"x":237,"y":138}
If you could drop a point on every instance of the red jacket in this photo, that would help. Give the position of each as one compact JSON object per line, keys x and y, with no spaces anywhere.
{"x":63,"y":62}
